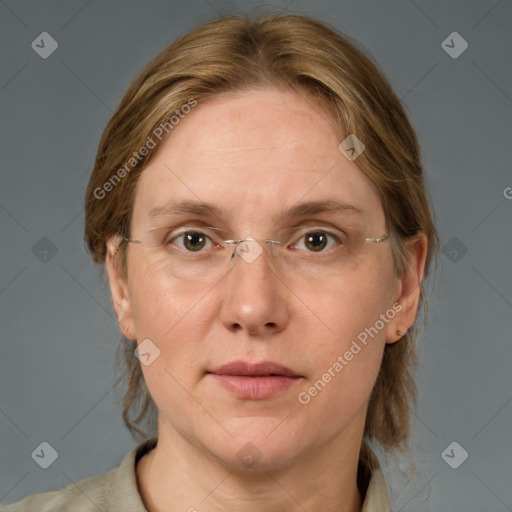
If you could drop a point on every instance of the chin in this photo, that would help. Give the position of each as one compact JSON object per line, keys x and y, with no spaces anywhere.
{"x":259,"y":444}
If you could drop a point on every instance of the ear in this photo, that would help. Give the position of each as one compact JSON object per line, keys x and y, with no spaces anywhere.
{"x":408,"y":287}
{"x":119,"y":289}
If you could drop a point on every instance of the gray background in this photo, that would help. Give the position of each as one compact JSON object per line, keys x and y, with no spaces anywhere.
{"x":58,"y":333}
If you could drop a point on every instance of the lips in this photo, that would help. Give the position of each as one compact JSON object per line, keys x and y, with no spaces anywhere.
{"x":255,"y":381}
{"x":263,"y":369}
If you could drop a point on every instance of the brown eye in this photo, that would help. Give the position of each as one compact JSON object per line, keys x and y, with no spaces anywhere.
{"x":316,"y":241}
{"x":193,"y":240}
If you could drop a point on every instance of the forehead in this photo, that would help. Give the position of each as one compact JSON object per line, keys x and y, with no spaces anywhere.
{"x":254,"y":153}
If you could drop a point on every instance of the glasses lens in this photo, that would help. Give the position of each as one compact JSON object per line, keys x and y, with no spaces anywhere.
{"x":203,"y":253}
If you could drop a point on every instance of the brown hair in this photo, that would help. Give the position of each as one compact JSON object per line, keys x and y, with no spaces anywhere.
{"x":237,"y":53}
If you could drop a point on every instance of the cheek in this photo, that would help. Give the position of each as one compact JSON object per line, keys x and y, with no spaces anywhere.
{"x":350,"y":317}
{"x":344,"y":373}
{"x":176,"y":317}
{"x":160,"y":302}
{"x":343,"y":308}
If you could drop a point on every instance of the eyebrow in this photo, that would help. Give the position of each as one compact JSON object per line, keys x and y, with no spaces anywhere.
{"x":321,"y":206}
{"x":185,"y":207}
{"x":299,"y":210}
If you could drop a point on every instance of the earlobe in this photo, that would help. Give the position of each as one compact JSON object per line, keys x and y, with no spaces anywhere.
{"x":119,"y":290}
{"x":408,"y":291}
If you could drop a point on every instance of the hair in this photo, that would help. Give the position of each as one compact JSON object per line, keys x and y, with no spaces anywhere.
{"x":231,"y":54}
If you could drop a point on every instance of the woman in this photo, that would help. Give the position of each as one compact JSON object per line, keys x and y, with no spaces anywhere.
{"x":259,"y":203}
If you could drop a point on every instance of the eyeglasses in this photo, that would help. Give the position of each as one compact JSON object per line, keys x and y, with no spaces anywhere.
{"x":189,"y":252}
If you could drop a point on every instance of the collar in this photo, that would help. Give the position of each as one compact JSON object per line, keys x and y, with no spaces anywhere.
{"x":122,"y":491}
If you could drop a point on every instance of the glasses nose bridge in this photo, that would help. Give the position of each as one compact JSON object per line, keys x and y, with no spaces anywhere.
{"x":250,"y":249}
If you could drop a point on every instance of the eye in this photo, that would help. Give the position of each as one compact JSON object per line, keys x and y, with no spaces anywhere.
{"x":317,"y":241}
{"x":192,"y":241}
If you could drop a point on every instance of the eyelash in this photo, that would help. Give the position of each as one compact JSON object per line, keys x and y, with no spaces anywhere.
{"x":172,"y":238}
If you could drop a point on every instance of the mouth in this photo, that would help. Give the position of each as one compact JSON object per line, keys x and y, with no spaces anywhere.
{"x":255,"y":381}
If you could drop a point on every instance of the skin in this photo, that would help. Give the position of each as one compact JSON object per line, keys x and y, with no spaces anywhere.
{"x":254,"y":154}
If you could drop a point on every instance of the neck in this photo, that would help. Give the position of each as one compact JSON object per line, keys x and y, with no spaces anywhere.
{"x":176,"y":476}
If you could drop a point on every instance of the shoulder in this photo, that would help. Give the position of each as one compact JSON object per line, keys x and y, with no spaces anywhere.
{"x":85,"y":495}
{"x":377,"y":497}
{"x":115,"y":490}
{"x":372,"y":483}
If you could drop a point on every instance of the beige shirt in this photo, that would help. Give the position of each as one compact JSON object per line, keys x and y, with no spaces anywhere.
{"x":117,"y":491}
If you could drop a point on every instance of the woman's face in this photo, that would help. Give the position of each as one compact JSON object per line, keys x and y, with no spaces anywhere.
{"x":252,"y":157}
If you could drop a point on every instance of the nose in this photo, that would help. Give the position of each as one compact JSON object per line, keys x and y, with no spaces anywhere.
{"x":256,"y":300}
